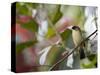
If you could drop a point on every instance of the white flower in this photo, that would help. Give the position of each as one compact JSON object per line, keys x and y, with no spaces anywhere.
{"x":90,"y":27}
{"x":43,"y":28}
{"x":44,"y":53}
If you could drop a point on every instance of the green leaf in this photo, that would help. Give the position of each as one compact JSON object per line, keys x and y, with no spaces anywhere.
{"x":85,"y":64}
{"x":21,"y":46}
{"x":23,"y":9}
{"x":90,"y":62}
{"x":31,"y":25}
{"x":50,"y":33}
{"x":57,"y":15}
{"x":73,"y":12}
{"x":54,"y":13}
{"x":53,"y":56}
{"x":91,"y":57}
{"x":65,"y":34}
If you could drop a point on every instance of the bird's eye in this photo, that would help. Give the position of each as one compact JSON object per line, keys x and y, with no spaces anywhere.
{"x":75,"y":27}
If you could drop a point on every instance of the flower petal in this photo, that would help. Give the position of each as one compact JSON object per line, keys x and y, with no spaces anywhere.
{"x":43,"y":56}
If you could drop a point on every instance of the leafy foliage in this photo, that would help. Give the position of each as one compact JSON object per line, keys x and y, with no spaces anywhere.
{"x":53,"y":13}
{"x":31,"y":25}
{"x":21,"y":46}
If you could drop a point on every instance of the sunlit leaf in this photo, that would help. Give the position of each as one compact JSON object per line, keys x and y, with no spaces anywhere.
{"x":23,"y":9}
{"x":50,"y":33}
{"x":86,"y":63}
{"x":54,"y":13}
{"x":89,"y":62}
{"x":73,"y":12}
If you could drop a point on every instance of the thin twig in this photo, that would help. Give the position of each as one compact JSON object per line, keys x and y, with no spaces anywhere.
{"x":94,"y":37}
{"x":66,"y":56}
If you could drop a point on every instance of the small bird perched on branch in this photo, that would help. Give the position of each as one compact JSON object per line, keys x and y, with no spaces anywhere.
{"x":77,"y":39}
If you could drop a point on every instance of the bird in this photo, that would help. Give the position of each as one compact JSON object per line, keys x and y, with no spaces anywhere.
{"x":77,"y":39}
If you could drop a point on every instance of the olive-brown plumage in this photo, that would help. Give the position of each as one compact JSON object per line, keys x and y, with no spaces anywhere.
{"x":77,"y":39}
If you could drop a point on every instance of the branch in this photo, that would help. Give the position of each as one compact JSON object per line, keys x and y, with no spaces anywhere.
{"x":66,"y":56}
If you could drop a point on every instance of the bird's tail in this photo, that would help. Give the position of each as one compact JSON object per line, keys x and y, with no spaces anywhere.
{"x":82,"y":53}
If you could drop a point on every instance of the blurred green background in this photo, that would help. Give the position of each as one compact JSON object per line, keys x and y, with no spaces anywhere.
{"x":39,"y":26}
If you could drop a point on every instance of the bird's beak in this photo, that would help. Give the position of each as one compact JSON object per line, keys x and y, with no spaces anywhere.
{"x":69,"y":27}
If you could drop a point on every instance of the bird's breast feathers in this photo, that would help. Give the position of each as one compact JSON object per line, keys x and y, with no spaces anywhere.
{"x":77,"y":38}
